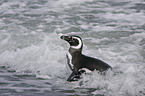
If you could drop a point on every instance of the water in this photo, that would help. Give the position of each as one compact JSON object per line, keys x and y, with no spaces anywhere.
{"x":32,"y":56}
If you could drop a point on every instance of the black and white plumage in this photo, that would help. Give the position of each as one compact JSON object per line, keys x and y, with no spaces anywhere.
{"x":78,"y":62}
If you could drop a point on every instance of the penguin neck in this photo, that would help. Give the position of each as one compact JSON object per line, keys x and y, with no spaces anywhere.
{"x":75,"y":51}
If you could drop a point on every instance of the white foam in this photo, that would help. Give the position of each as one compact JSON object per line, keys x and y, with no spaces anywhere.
{"x":127,"y":17}
{"x":113,"y":84}
{"x":40,"y":59}
{"x":65,"y":3}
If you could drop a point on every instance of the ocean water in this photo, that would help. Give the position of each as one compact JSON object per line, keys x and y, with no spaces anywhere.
{"x":32,"y":55}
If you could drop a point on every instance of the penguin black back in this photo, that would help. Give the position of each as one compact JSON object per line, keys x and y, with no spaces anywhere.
{"x":78,"y":62}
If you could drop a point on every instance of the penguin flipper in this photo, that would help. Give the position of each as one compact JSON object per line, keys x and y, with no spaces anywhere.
{"x":74,"y":76}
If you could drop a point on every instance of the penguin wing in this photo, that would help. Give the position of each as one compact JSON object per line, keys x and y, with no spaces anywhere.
{"x":93,"y":63}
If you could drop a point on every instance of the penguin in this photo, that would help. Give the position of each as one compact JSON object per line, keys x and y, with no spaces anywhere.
{"x":80,"y":63}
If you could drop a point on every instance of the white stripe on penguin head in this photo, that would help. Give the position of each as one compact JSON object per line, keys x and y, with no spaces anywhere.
{"x":80,"y":43}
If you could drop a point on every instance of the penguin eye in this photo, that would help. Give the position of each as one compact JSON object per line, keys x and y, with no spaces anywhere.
{"x":73,"y":38}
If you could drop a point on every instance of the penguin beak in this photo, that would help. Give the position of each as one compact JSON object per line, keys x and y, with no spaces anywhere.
{"x":62,"y":37}
{"x":66,"y":38}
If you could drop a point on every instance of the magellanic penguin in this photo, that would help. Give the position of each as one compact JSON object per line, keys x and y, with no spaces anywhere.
{"x":78,"y":62}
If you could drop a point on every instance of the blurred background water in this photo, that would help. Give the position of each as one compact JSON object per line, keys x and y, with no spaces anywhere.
{"x":32,"y":56}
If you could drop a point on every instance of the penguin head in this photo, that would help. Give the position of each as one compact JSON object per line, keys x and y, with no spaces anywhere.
{"x":74,"y":41}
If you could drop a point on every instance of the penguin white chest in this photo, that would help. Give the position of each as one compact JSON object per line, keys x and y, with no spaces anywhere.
{"x":70,"y":60}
